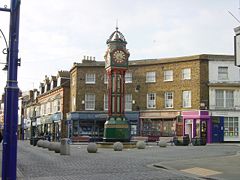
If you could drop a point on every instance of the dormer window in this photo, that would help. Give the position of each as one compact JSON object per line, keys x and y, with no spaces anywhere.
{"x":59,"y":81}
{"x":45,"y":89}
{"x":35,"y":94}
{"x":52,"y":85}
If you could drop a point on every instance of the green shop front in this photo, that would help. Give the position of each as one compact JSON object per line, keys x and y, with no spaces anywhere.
{"x":92,"y":123}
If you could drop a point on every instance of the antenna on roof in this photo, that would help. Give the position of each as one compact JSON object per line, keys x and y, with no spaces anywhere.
{"x":234,"y":17}
{"x":238,"y":12}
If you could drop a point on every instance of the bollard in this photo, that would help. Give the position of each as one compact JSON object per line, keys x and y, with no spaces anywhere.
{"x":92,"y":148}
{"x":45,"y":144}
{"x":141,"y":145}
{"x":162,"y":144}
{"x":117,"y":146}
{"x":65,"y":147}
{"x":56,"y":147}
{"x":40,"y":143}
{"x":51,"y":146}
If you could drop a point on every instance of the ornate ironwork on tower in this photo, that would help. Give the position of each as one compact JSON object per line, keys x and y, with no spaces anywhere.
{"x":116,"y":127}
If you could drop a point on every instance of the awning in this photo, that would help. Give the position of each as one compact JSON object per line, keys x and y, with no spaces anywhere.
{"x":56,"y":116}
{"x":158,"y":117}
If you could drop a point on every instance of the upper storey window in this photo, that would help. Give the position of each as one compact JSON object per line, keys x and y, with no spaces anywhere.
{"x":186,"y":73}
{"x":90,"y":78}
{"x":168,"y":75}
{"x":222,"y":73}
{"x":128,"y":77}
{"x":151,"y":77}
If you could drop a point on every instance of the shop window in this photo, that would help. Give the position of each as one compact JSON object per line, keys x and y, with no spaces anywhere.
{"x":151,"y":77}
{"x":86,"y":130}
{"x":75,"y":127}
{"x":151,"y":100}
{"x":168,"y":99}
{"x":186,"y":73}
{"x":231,"y":127}
{"x":133,"y":129}
{"x":168,"y":75}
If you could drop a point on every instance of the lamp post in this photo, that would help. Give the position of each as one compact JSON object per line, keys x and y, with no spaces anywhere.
{"x":9,"y":155}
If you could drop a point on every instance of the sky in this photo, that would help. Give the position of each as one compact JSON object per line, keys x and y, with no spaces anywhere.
{"x":56,"y":33}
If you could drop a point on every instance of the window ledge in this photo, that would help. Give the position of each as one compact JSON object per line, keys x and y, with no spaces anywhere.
{"x":150,"y":81}
{"x":167,"y":80}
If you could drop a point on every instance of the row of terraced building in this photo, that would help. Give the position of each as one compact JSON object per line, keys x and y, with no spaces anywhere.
{"x":197,"y":95}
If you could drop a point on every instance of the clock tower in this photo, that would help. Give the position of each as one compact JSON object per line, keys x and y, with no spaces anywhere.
{"x":117,"y":126}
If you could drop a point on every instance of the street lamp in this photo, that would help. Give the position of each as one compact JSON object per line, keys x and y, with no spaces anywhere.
{"x":5,"y":51}
{"x":9,"y":155}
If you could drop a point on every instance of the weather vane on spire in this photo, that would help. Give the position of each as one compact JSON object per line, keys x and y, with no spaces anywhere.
{"x":117,"y":24}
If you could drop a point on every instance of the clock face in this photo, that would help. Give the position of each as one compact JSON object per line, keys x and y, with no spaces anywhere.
{"x":119,"y":56}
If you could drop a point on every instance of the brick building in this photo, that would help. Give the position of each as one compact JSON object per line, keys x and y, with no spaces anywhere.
{"x":48,"y":107}
{"x":157,"y":92}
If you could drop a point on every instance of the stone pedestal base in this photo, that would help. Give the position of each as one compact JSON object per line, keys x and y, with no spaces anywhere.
{"x":126,"y":145}
{"x":116,"y":129}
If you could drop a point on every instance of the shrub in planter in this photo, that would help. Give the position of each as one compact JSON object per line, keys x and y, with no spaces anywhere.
{"x":196,"y":141}
{"x":203,"y":141}
{"x":199,"y":141}
{"x":181,"y":141}
{"x":185,"y":140}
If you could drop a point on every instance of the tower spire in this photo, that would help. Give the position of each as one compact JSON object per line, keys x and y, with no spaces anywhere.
{"x":117,"y":25}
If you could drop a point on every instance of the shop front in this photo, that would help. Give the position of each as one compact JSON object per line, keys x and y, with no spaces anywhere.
{"x":27,"y":126}
{"x":44,"y":127}
{"x":226,"y":126}
{"x":56,"y":126}
{"x":197,"y":124}
{"x":92,"y":123}
{"x":157,"y":124}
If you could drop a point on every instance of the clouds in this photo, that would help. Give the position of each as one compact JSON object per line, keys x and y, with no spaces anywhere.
{"x":56,"y":33}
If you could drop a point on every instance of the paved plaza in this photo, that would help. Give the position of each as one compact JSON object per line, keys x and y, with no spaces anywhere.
{"x":220,"y":161}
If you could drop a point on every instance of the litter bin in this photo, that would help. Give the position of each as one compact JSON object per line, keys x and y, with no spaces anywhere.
{"x":185,"y":140}
{"x":199,"y":141}
{"x":34,"y":141}
{"x":31,"y":141}
{"x":181,"y":141}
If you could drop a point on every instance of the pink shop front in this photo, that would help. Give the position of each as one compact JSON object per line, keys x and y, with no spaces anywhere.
{"x":197,"y":124}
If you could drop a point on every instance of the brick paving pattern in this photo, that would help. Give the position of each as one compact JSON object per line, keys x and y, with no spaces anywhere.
{"x":130,"y":164}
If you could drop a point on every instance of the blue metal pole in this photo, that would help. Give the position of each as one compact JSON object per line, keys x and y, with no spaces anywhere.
{"x":9,"y":155}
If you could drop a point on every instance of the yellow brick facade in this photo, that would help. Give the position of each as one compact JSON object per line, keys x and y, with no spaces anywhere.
{"x":197,"y":84}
